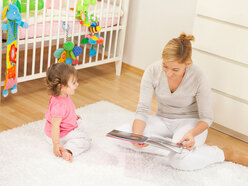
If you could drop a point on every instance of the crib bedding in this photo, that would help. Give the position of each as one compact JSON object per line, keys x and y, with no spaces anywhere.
{"x":109,"y":15}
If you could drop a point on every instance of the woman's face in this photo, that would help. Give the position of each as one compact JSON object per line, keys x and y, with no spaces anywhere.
{"x":174,"y":70}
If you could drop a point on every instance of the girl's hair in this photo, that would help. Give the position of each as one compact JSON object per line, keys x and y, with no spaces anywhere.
{"x":179,"y":49}
{"x":58,"y":75}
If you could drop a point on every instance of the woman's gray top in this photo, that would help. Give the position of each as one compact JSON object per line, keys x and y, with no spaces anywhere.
{"x":192,"y":98}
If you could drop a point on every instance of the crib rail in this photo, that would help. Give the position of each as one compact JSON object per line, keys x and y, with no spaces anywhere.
{"x":35,"y":52}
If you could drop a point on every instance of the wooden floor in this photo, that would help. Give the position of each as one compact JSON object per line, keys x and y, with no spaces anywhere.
{"x":95,"y":84}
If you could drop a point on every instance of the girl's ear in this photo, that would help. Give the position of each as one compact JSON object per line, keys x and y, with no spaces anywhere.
{"x":5,"y":10}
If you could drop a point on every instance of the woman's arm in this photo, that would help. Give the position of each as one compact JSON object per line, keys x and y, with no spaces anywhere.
{"x":55,"y":133}
{"x":203,"y":99}
{"x":138,"y":128}
{"x":188,"y":140}
{"x":199,"y":128}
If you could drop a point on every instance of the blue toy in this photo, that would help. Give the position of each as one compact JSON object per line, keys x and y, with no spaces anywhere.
{"x":14,"y":19}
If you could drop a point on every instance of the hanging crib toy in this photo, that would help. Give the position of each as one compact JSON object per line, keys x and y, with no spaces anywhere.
{"x":93,"y":38}
{"x":69,"y":52}
{"x":14,"y":19}
{"x":82,"y":11}
{"x":94,"y":27}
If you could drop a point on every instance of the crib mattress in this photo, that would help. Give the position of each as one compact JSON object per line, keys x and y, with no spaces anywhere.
{"x":53,"y":20}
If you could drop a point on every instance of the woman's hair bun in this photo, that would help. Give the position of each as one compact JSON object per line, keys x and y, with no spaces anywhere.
{"x":188,"y":37}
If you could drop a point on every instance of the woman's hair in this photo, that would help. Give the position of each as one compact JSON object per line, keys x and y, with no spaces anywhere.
{"x":179,"y":49}
{"x":58,"y":75}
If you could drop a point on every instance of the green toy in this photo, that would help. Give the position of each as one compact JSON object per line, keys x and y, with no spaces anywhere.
{"x":82,"y":11}
{"x":68,"y":53}
{"x":23,"y":5}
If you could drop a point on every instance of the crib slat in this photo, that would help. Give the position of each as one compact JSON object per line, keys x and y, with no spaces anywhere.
{"x":35,"y":31}
{"x":105,"y":30}
{"x":118,"y":27}
{"x":17,"y":55}
{"x":111,"y":32}
{"x":59,"y":27}
{"x":50,"y":39}
{"x":43,"y":35}
{"x":26,"y":42}
{"x":100,"y":18}
{"x":66,"y":19}
{"x":121,"y":39}
{"x":73,"y":23}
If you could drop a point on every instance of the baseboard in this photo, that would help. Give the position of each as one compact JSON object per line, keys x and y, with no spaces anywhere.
{"x":132,"y":68}
{"x":230,"y":132}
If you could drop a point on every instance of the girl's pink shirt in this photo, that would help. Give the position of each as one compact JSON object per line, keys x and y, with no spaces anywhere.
{"x":64,"y":108}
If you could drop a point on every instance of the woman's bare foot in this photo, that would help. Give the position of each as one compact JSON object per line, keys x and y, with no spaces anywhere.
{"x":66,"y":154}
{"x":235,"y":156}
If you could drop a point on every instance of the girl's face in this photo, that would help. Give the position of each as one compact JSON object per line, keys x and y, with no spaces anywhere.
{"x":174,"y":70}
{"x":71,"y":87}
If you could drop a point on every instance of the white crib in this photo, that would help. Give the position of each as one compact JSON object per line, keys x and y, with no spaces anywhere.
{"x":37,"y":44}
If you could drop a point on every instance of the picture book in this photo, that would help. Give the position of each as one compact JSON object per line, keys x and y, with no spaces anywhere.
{"x":164,"y":143}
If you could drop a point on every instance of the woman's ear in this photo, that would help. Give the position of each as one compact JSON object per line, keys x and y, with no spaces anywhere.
{"x":188,"y":63}
{"x":5,"y":10}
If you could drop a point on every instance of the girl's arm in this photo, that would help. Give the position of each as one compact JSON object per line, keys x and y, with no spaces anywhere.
{"x":55,"y":133}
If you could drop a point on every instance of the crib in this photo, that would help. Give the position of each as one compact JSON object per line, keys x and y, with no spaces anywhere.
{"x":36,"y":45}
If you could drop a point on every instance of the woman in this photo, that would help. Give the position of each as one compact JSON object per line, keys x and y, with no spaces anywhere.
{"x":184,"y":107}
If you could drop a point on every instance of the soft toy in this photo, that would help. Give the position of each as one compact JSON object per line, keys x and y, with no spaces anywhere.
{"x":14,"y":20}
{"x":68,"y":53}
{"x":82,"y":11}
{"x":93,"y":38}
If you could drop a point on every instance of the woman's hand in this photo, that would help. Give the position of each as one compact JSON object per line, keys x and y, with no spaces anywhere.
{"x":139,"y":145}
{"x":138,"y":128}
{"x":57,"y":148}
{"x":188,"y":141}
{"x":78,"y":117}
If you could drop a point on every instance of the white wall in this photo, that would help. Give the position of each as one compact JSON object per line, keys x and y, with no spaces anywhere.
{"x":151,"y":24}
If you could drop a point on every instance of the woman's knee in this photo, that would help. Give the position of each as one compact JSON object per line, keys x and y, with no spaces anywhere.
{"x":182,"y":164}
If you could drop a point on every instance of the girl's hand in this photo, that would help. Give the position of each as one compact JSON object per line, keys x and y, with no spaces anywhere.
{"x":57,"y":148}
{"x":78,"y":117}
{"x":187,"y":141}
{"x":139,"y":145}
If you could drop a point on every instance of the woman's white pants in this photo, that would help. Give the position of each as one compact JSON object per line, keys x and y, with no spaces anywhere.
{"x":201,"y":156}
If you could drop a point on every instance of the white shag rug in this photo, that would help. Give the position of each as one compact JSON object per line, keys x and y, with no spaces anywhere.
{"x":27,"y":159}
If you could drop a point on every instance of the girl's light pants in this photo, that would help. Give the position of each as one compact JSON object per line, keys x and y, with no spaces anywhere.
{"x":77,"y":141}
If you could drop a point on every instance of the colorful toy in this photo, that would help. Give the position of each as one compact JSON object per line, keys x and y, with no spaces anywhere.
{"x":93,"y":38}
{"x":14,"y":20}
{"x":68,"y":53}
{"x":24,"y":4}
{"x":82,"y":11}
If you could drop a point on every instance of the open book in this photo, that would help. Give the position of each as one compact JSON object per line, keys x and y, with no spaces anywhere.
{"x":164,"y":143}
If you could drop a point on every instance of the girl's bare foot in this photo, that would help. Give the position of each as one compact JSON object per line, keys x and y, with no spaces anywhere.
{"x":235,"y":156}
{"x":66,"y":154}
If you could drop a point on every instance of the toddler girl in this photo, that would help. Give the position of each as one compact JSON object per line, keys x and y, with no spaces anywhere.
{"x":63,"y":126}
